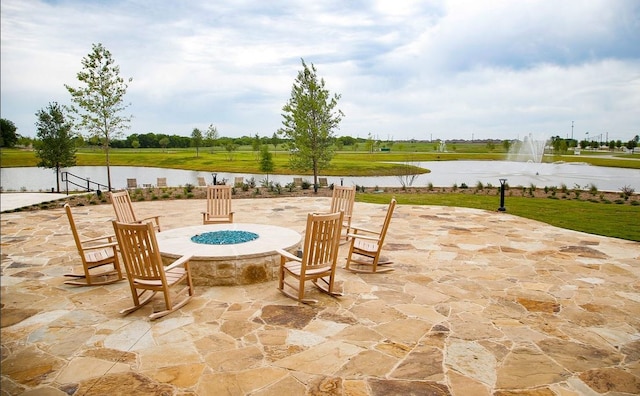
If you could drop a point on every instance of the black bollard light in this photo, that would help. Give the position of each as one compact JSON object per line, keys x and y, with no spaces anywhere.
{"x":341,"y":181}
{"x":502,"y":187}
{"x":215,"y":177}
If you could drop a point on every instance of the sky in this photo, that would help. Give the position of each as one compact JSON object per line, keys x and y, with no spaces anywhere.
{"x":425,"y":70}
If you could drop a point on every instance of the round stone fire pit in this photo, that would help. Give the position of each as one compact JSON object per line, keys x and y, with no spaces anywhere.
{"x":229,"y":254}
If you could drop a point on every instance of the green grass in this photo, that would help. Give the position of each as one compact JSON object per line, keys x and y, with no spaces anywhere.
{"x":611,"y":220}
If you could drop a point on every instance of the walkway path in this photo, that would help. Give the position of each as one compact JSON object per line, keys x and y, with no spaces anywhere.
{"x":11,"y":201}
{"x":480,"y":303}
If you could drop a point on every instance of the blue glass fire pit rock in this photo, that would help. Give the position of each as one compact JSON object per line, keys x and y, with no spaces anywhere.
{"x":226,"y":237}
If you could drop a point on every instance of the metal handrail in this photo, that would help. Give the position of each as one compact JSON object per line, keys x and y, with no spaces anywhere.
{"x":64,"y":176}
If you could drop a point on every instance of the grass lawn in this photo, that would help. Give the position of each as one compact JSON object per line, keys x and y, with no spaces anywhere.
{"x":607,"y":219}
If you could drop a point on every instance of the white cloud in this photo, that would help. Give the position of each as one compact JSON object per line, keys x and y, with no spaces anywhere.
{"x":407,"y":69}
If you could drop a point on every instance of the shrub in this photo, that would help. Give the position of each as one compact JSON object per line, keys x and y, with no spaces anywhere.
{"x":430,"y":186}
{"x":305,"y":184}
{"x":188,"y":188}
{"x":593,"y":189}
{"x":463,"y":185}
{"x":627,"y":191}
{"x":479,"y":186}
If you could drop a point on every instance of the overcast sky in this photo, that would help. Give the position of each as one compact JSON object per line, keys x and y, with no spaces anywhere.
{"x":405,"y":69}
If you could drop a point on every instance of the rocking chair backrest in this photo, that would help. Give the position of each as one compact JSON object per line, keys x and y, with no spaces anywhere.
{"x":74,"y":230}
{"x":122,"y":206}
{"x":322,"y":241}
{"x":387,"y":221}
{"x":342,"y":200}
{"x":139,"y":250}
{"x":219,"y":200}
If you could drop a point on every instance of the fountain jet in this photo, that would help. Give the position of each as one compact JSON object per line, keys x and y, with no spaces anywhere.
{"x":529,"y":150}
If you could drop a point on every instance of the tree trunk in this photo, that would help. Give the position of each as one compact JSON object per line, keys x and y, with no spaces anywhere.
{"x":108,"y":170}
{"x":58,"y":179}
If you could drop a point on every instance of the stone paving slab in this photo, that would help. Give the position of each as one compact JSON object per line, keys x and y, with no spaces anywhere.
{"x":480,"y":303}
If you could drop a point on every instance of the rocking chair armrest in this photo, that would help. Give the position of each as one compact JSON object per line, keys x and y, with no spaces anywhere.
{"x":110,"y":238}
{"x":360,"y":236}
{"x":100,"y":246}
{"x":356,"y":228}
{"x":178,"y":262}
{"x":288,"y":255}
{"x":156,"y":218}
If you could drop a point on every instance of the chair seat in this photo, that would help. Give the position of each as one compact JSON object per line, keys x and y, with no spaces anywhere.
{"x":296,"y":268}
{"x":365,"y":246}
{"x":98,"y":256}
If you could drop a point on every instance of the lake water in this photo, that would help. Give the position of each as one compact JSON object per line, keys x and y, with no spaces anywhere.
{"x":443,"y":174}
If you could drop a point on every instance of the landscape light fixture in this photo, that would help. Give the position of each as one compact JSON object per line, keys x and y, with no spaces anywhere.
{"x":215,"y":176}
{"x":503,"y":183}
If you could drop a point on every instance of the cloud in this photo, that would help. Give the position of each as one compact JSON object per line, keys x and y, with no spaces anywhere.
{"x":408,"y":69}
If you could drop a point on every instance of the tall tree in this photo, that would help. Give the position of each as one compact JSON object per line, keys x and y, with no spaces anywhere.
{"x":8,"y":136}
{"x":55,"y":148}
{"x":309,"y":120}
{"x":196,"y":139}
{"x":99,"y":101}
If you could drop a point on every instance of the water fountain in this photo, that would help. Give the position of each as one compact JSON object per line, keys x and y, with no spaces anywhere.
{"x":529,"y":150}
{"x":442,"y":148}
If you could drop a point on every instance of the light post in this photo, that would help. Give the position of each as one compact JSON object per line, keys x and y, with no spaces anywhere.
{"x":215,"y":176}
{"x":341,"y":181}
{"x":503,"y":182}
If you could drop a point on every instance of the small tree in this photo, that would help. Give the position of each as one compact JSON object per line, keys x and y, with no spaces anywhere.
{"x":231,"y":148}
{"x":266,"y":161}
{"x":196,"y":139}
{"x":99,"y":103}
{"x":164,"y":143}
{"x":8,"y":136}
{"x":55,"y":148}
{"x":275,"y":141}
{"x":310,"y":118}
{"x":211,"y":136}
{"x":256,"y":145}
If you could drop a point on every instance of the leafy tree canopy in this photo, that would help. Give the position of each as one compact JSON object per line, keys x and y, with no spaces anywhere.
{"x":8,"y":135}
{"x":55,"y":147}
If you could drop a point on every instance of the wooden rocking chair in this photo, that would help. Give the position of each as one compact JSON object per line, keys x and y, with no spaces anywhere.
{"x":342,"y":200}
{"x":319,"y":257}
{"x":366,"y":246}
{"x":123,"y":207}
{"x":146,"y":272}
{"x":218,"y":205}
{"x":94,"y":252}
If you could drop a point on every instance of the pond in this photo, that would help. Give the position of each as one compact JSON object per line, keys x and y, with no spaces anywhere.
{"x":443,"y":174}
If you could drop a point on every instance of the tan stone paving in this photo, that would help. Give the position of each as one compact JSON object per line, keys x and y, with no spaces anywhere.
{"x":480,"y":303}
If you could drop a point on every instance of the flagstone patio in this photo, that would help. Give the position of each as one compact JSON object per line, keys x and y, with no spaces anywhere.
{"x":480,"y":303}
